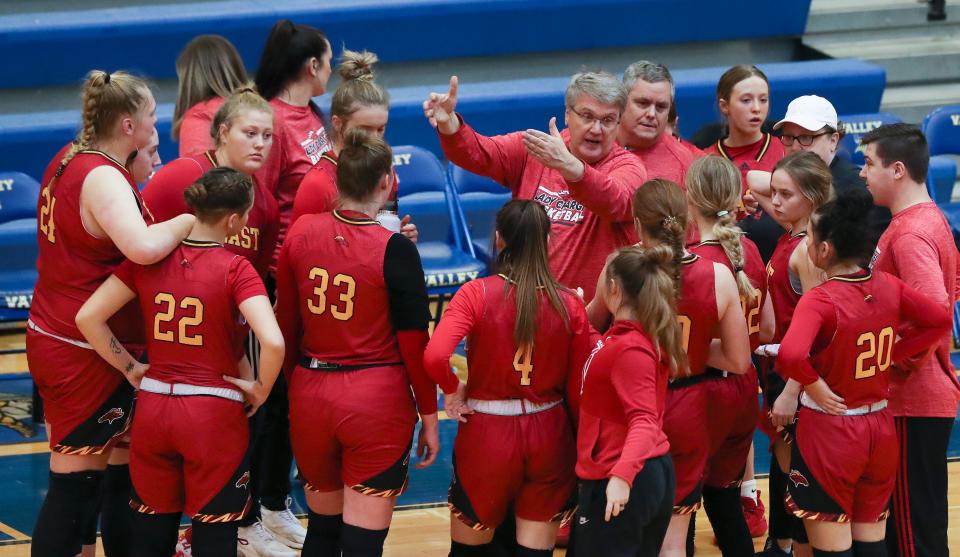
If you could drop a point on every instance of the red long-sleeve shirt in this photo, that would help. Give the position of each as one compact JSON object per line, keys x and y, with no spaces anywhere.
{"x":844,"y":330}
{"x":589,"y":218}
{"x":621,"y":407}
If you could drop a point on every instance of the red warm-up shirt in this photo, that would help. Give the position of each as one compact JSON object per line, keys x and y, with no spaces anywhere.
{"x":697,"y":310}
{"x":844,"y":331}
{"x":756,"y":273}
{"x":299,"y":138}
{"x":484,"y":311}
{"x":346,"y":288}
{"x":258,"y":238}
{"x":667,"y":159}
{"x":589,"y":218}
{"x":621,"y":407}
{"x":190,"y":299}
{"x":72,"y":263}
{"x":918,"y":248}
{"x":782,"y":295}
{"x":195,"y":137}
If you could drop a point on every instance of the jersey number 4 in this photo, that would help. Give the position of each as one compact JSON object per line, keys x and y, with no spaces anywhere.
{"x":523,"y":363}
{"x":878,"y":348}
{"x":319,"y":305}
{"x":45,"y":219}
{"x":165,"y":316}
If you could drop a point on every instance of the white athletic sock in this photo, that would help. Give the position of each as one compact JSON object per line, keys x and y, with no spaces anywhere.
{"x":748,"y":488}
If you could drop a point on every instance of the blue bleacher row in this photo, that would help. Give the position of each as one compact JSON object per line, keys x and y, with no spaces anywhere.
{"x":453,"y":208}
{"x":147,"y":38}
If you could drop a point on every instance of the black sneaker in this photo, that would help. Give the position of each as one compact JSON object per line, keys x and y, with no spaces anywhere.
{"x":771,"y":549}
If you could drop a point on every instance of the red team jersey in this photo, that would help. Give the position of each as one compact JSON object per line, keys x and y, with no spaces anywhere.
{"x":782,"y":294}
{"x":190,"y":299}
{"x":164,"y":194}
{"x":318,"y":190}
{"x":622,"y":405}
{"x":918,"y":248}
{"x":762,"y":155}
{"x":299,"y":138}
{"x":484,"y":312}
{"x":756,"y":273}
{"x":697,"y":310}
{"x":72,"y":263}
{"x":844,"y":331}
{"x":195,"y":138}
{"x":589,"y":218}
{"x":345,"y":287}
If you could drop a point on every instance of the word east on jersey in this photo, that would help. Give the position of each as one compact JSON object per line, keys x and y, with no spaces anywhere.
{"x":561,"y":208}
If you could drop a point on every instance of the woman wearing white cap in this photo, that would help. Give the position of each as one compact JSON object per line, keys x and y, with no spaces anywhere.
{"x":811,"y":124}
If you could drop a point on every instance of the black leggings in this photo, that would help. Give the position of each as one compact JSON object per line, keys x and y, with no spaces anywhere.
{"x":639,"y":529}
{"x":155,"y":535}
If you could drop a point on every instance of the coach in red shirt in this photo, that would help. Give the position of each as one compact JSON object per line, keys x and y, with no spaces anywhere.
{"x":581,"y":176}
{"x":918,"y":248}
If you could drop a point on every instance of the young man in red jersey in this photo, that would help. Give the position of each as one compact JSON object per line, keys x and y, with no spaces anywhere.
{"x":918,"y":248}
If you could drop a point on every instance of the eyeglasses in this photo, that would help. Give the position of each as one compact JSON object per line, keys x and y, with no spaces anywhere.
{"x":607,"y":123}
{"x":806,"y":139}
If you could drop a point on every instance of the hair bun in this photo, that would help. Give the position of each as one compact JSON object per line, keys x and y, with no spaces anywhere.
{"x":195,"y":194}
{"x":356,"y":138}
{"x":854,"y":204}
{"x":357,"y":65}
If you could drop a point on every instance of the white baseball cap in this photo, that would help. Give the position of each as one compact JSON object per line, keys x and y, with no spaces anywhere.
{"x":810,"y":112}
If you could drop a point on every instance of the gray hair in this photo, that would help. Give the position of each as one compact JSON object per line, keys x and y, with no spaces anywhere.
{"x":601,"y":86}
{"x":648,"y":71}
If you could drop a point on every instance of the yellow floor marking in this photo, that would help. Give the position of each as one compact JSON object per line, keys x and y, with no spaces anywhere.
{"x":15,"y":449}
{"x":15,"y":534}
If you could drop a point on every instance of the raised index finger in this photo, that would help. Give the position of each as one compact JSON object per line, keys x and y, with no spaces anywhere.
{"x":454,"y":85}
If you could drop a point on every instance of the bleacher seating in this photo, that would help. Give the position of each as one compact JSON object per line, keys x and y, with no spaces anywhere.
{"x":444,"y":244}
{"x":148,"y":37}
{"x":18,"y":243}
{"x":480,"y":198}
{"x":855,"y":126}
{"x":27,"y":141}
{"x":942,"y":128}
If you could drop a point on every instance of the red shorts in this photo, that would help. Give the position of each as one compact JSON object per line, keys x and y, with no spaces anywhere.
{"x":732,"y":410}
{"x":843,"y":468}
{"x":190,"y":454}
{"x":685,"y":423}
{"x":352,"y":428}
{"x":524,"y":461}
{"x":86,"y":401}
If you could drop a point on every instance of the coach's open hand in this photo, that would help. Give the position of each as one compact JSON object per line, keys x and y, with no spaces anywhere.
{"x":552,"y":152}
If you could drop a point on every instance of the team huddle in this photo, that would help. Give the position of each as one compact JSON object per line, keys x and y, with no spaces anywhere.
{"x":262,"y":301}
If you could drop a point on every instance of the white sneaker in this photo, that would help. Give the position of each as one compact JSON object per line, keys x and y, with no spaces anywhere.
{"x":284,"y":526}
{"x":254,"y":541}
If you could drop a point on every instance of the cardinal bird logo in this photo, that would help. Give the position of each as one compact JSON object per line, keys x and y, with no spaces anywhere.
{"x":111,"y":416}
{"x":244,"y":481}
{"x":798,"y":479}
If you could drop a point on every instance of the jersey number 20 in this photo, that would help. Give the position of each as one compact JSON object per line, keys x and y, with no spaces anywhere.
{"x":877,"y":347}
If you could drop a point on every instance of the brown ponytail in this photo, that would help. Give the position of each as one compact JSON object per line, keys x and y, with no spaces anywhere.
{"x":713,"y":186}
{"x":645,"y":278}
{"x":523,"y":226}
{"x":660,"y":207}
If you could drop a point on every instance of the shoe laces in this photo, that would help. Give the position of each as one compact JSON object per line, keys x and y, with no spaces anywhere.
{"x":286,"y":514}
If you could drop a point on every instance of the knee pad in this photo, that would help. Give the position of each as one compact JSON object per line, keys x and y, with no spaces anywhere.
{"x":116,"y":514}
{"x":154,"y":535}
{"x":458,"y":549}
{"x":528,"y":552}
{"x":824,"y":553}
{"x":870,"y":549}
{"x":360,"y":542}
{"x":64,"y":518}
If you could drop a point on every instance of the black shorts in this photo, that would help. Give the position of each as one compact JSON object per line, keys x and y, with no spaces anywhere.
{"x":639,"y":529}
{"x":772,"y":389}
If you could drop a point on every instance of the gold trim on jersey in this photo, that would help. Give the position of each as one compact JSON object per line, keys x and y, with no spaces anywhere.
{"x":107,"y":156}
{"x":201,"y":243}
{"x":689,"y":258}
{"x":212,"y":157}
{"x":767,"y":139}
{"x":343,"y":218}
{"x":847,"y":278}
{"x":326,"y":155}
